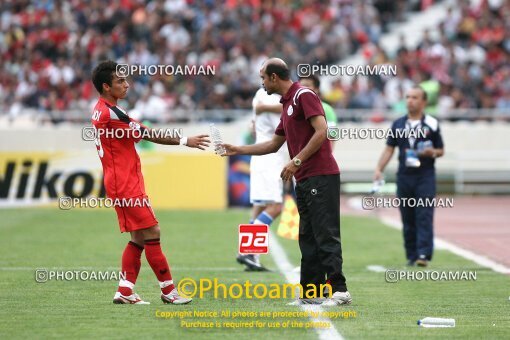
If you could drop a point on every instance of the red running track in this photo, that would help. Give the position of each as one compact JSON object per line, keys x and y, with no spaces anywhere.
{"x":480,"y":224}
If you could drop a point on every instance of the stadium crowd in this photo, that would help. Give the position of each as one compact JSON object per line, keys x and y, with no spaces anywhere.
{"x":466,"y":66}
{"x":49,"y":47}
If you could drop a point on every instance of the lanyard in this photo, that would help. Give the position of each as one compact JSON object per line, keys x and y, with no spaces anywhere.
{"x":412,"y":133}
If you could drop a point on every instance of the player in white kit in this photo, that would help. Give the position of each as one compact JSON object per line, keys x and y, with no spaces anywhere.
{"x":266,"y":186}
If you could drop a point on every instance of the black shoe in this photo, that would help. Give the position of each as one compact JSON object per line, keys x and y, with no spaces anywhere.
{"x":422,"y":261}
{"x":252,"y":263}
{"x":410,"y":263}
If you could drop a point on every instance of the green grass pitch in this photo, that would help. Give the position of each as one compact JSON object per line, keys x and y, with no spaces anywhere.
{"x":202,"y":244}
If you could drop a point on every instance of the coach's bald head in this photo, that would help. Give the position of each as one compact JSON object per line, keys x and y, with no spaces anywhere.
{"x":277,"y":67}
{"x":275,"y":75}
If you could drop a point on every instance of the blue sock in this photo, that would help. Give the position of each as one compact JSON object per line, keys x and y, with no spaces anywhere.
{"x":263,"y":218}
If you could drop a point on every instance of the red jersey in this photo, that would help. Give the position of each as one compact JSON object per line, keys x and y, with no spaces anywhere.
{"x":299,"y":105}
{"x":115,"y":142}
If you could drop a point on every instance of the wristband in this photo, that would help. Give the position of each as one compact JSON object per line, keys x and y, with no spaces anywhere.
{"x":183,"y":141}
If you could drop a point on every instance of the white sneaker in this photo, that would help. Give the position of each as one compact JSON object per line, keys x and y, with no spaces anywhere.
{"x":133,"y":299}
{"x":299,"y":302}
{"x":174,"y":298}
{"x":294,"y":303}
{"x":338,"y":298}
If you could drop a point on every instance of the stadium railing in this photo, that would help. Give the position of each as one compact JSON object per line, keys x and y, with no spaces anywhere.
{"x":226,"y":116}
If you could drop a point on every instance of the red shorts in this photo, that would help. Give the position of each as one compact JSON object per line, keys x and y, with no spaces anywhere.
{"x":136,"y":216}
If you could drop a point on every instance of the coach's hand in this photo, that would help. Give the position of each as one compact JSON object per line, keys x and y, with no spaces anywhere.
{"x":378,"y":175}
{"x":230,"y":150}
{"x":199,"y":142}
{"x":288,"y":171}
{"x":428,"y":152}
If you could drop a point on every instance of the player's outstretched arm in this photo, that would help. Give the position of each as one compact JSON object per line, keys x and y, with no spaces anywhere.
{"x":262,"y":108}
{"x":256,"y":149}
{"x":198,"y":142}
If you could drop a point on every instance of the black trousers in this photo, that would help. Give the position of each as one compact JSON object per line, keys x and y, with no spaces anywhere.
{"x":318,"y":202}
{"x":418,"y":222}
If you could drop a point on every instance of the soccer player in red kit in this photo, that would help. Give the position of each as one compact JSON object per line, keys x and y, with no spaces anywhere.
{"x":116,"y":135}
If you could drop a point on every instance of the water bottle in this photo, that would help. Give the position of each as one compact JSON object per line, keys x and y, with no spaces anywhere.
{"x":436,"y":322}
{"x":376,"y":186}
{"x":216,"y":140}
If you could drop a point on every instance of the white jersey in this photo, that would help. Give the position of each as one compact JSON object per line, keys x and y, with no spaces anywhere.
{"x":265,"y":183}
{"x":265,"y":123}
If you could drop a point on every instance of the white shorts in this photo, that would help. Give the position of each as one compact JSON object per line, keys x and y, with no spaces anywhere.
{"x":266,"y":186}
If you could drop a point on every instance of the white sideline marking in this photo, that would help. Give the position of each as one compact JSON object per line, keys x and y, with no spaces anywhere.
{"x":283,"y":264}
{"x":376,"y":268}
{"x":467,"y":254}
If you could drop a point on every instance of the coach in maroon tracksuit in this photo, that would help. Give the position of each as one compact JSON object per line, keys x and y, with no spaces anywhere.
{"x":303,"y":125}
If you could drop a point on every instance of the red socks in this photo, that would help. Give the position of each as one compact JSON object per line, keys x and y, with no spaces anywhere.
{"x":131,"y":264}
{"x":159,"y":265}
{"x":131,"y":267}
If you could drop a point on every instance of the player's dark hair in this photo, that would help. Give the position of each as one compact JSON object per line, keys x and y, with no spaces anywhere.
{"x":281,"y":70}
{"x":103,"y":73}
{"x":425,"y":97}
{"x":315,"y":79}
